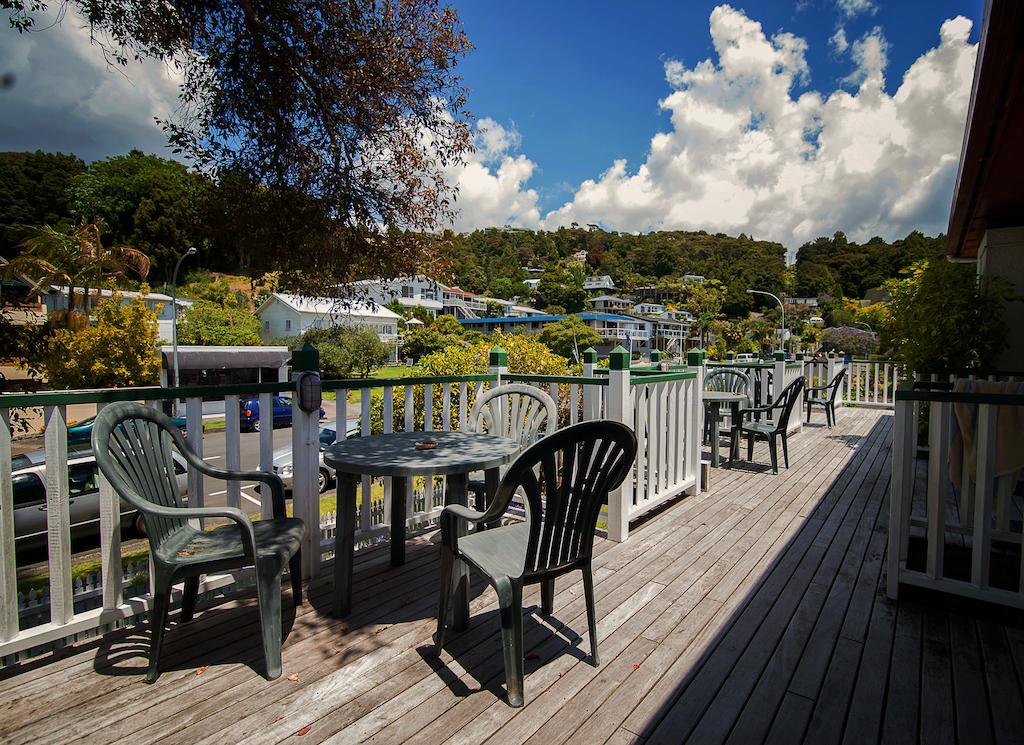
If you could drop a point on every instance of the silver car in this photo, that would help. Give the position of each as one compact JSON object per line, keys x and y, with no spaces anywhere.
{"x":28,"y":479}
{"x":283,"y":466}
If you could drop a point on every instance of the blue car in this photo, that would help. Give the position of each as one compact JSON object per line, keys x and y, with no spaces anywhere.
{"x":249,"y":415}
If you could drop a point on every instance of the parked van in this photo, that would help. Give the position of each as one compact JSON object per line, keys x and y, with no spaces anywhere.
{"x":249,"y":415}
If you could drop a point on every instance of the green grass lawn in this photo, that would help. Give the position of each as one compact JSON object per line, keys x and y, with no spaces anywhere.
{"x":388,"y":371}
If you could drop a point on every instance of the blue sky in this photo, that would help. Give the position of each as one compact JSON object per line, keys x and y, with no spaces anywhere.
{"x":781,"y":120}
{"x":581,"y":81}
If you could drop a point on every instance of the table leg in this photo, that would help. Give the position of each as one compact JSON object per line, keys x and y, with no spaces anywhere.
{"x":491,"y":478}
{"x":715,"y":433}
{"x":458,"y":493}
{"x":344,"y":543}
{"x":398,"y":520}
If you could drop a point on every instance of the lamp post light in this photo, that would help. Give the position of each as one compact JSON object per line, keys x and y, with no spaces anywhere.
{"x":174,"y":317}
{"x":861,"y":323}
{"x":781,"y":306}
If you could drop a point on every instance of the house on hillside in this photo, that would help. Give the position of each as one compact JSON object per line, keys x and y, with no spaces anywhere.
{"x":598,"y":283}
{"x":284,"y":314}
{"x":532,"y":283}
{"x":610,"y":303}
{"x":614,"y":329}
{"x":417,"y":291}
{"x":463,"y":303}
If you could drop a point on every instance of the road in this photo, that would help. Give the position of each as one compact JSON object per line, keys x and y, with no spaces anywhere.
{"x":32,"y":563}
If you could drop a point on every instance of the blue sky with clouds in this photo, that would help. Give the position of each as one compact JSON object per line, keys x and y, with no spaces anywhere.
{"x":782,"y":120}
{"x":581,"y":80}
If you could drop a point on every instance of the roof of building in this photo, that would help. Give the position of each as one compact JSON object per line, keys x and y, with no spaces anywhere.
{"x":195,"y":357}
{"x":609,"y":297}
{"x":158,"y":296}
{"x":546,"y":319}
{"x":322,"y":306}
{"x":988,"y":190}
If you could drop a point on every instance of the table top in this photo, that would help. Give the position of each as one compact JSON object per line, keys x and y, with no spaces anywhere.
{"x":395,"y":454}
{"x":723,"y":396}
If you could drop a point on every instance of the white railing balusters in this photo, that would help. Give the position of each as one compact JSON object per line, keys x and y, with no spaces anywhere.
{"x":58,"y":514}
{"x":983,"y":497}
{"x":110,"y":538}
{"x":366,"y":484}
{"x":233,"y":448}
{"x":8,"y":565}
{"x":266,"y":401}
{"x":194,"y":428}
{"x":463,"y":405}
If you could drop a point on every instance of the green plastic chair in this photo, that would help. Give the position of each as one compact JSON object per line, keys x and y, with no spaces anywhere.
{"x":728,"y":379}
{"x":566,"y":478}
{"x":133,"y":445}
{"x":825,"y":396}
{"x":770,"y":431}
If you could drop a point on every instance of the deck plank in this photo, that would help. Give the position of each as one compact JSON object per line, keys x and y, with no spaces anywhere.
{"x":754,"y":612}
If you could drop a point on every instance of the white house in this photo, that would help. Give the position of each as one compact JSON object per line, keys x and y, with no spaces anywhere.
{"x":610,"y":303}
{"x":599,"y":283}
{"x":533,"y":283}
{"x":56,"y":299}
{"x":417,"y":291}
{"x":649,"y":309}
{"x":283,"y":315}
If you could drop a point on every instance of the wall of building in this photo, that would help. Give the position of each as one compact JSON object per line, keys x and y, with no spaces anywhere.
{"x":1001,"y":254}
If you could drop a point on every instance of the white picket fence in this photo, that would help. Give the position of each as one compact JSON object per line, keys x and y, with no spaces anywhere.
{"x":970,"y":528}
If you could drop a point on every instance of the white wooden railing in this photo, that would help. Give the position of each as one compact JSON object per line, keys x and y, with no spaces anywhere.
{"x":871,"y":383}
{"x":970,"y":529}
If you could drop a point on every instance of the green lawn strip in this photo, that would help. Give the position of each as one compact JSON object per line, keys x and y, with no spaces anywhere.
{"x":390,"y":371}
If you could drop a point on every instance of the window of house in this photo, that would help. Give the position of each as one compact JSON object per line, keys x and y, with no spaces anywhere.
{"x":406,"y":291}
{"x":287,"y":324}
{"x":266,"y":325}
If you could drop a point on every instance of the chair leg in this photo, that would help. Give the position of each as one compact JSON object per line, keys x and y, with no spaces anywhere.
{"x":832,"y":411}
{"x":268,"y":590}
{"x":444,"y":599}
{"x":510,"y":600}
{"x":750,"y":446}
{"x":188,"y":599}
{"x":295,"y":575}
{"x":547,"y":596}
{"x":157,"y":624}
{"x":785,"y":449}
{"x":734,"y":445}
{"x":773,"y":450}
{"x":588,"y":591}
{"x":808,"y":412}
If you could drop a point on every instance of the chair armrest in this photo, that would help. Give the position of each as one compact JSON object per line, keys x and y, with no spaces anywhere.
{"x":271,"y":479}
{"x":450,"y":517}
{"x":187,"y":513}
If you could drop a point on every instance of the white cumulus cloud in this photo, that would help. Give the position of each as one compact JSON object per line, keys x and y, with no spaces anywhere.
{"x":746,"y":154}
{"x":850,"y":8}
{"x":838,"y":41}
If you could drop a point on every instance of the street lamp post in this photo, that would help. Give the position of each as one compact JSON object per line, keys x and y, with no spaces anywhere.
{"x":870,"y":330}
{"x":174,"y":317}
{"x":781,"y":306}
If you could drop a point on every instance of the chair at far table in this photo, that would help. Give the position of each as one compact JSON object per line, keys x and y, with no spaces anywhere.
{"x":827,"y":397}
{"x":133,"y":445}
{"x":566,"y":478}
{"x":770,"y":430}
{"x":727,"y":379}
{"x":516,"y":411}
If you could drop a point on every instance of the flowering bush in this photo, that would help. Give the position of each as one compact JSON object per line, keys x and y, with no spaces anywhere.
{"x":850,"y":340}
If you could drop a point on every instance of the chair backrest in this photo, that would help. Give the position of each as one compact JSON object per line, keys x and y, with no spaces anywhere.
{"x":133,"y":445}
{"x":727,"y":379}
{"x":566,"y":478}
{"x":519,"y":412}
{"x":789,"y":397}
{"x":836,"y":383}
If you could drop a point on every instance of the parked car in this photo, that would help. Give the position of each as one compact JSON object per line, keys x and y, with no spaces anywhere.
{"x":744,"y":357}
{"x":28,"y":479}
{"x":79,"y":432}
{"x":283,"y":456}
{"x":250,"y":413}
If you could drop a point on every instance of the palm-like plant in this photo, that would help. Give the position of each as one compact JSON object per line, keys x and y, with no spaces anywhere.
{"x":74,"y":260}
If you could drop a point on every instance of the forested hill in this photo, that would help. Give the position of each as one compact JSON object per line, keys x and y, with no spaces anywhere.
{"x":838,"y":267}
{"x":493,"y":261}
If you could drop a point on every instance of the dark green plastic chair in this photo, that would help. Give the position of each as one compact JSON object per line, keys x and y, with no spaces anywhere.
{"x":728,"y":379}
{"x":133,"y":445}
{"x":826,"y":397}
{"x":770,"y":431}
{"x":566,"y":478}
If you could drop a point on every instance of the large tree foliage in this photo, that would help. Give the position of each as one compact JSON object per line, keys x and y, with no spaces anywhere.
{"x":213,"y":324}
{"x":347,"y":351}
{"x":569,"y":337}
{"x":942,"y":319}
{"x":151,"y":203}
{"x":332,"y":121}
{"x":33,"y":191}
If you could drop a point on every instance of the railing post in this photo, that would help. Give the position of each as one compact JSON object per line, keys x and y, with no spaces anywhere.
{"x":305,"y":454}
{"x":498,"y":364}
{"x":778,"y":377}
{"x":591,"y":393}
{"x":655,"y":357}
{"x":694,"y":423}
{"x":618,"y":409}
{"x":8,"y":563}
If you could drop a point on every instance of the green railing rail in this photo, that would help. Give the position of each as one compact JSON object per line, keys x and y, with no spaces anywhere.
{"x":559,"y":379}
{"x":358,"y":383}
{"x":663,"y":378}
{"x":942,"y":392}
{"x":140,"y":393}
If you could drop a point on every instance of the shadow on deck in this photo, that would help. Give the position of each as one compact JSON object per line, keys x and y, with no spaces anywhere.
{"x":752,"y":612}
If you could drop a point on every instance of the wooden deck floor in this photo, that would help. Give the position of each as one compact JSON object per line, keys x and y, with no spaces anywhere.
{"x":754,"y":612}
